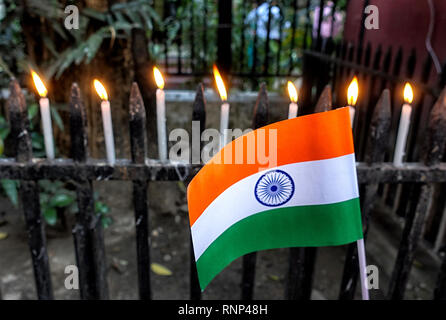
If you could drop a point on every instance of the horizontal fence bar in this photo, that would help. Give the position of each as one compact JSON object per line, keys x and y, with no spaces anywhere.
{"x":236,"y":74}
{"x":66,"y":169}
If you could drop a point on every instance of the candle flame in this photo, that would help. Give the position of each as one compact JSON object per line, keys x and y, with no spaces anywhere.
{"x":292,"y":91}
{"x":39,"y":84}
{"x":220,"y":84}
{"x":158,"y":78}
{"x":100,"y":89}
{"x":408,"y":93}
{"x":352,"y":92}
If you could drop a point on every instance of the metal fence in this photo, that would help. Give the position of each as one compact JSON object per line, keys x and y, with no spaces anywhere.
{"x":87,"y":233}
{"x":323,"y":62}
{"x":246,"y":38}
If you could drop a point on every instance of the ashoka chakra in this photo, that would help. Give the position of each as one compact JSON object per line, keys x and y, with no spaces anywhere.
{"x":274,"y":188}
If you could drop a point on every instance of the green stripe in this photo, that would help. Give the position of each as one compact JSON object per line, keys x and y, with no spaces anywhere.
{"x":303,"y":226}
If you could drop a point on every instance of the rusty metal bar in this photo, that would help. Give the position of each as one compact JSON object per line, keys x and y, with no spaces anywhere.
{"x":29,"y":192}
{"x":260,"y":119}
{"x":198,"y":114}
{"x":139,"y":153}
{"x":154,"y":170}
{"x":434,"y":147}
{"x":87,"y":233}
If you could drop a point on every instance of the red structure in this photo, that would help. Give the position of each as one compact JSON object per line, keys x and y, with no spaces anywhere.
{"x":402,"y":23}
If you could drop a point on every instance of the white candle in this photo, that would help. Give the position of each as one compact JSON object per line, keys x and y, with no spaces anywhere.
{"x":47,"y":127}
{"x":352,"y":115}
{"x":161,"y":123}
{"x":224,"y":123}
{"x":108,"y":131}
{"x":106,"y":121}
{"x":352,"y":97}
{"x":224,"y":112}
{"x":45,"y":114}
{"x":404,"y":125}
{"x":160,"y":114}
{"x":401,"y":139}
{"x":292,"y":110}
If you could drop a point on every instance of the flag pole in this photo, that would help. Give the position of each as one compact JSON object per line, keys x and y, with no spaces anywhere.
{"x":352,"y":96}
{"x":362,"y":269}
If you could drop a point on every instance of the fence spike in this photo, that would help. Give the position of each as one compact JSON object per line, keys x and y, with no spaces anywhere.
{"x":78,"y":125}
{"x":137,"y":123}
{"x":19,"y":122}
{"x":325,"y":101}
{"x":375,"y":152}
{"x":199,"y":107}
{"x":367,"y":54}
{"x":302,"y":261}
{"x":198,"y":114}
{"x":411,"y":63}
{"x":29,"y":193}
{"x":398,"y":61}
{"x":379,"y":129}
{"x":434,"y":147}
{"x":87,"y":232}
{"x":260,"y":119}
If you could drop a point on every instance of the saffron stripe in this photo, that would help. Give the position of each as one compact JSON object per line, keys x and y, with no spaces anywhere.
{"x":313,"y":137}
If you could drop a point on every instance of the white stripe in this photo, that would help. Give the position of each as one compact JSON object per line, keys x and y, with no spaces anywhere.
{"x":316,"y":182}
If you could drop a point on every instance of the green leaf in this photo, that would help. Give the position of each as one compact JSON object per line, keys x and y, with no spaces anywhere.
{"x":51,"y":186}
{"x":154,"y":15}
{"x":32,"y":111}
{"x":56,"y":116}
{"x":91,"y":13}
{"x":2,"y":146}
{"x":101,"y":208}
{"x":4,"y":128}
{"x":43,"y":198}
{"x":147,"y":19}
{"x":61,"y":200}
{"x":59,"y":30}
{"x":50,"y":216}
{"x":37,"y":141}
{"x":50,"y":45}
{"x":73,"y":208}
{"x":133,"y":17}
{"x":10,"y":188}
{"x":93,"y":44}
{"x":106,"y":221}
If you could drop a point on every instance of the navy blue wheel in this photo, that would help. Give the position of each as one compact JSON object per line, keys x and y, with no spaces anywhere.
{"x":274,"y":188}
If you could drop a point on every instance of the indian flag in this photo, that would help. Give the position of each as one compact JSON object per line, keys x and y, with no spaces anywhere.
{"x":308,"y":198}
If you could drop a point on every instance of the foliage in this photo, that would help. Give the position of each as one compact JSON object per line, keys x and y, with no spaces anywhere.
{"x":54,"y":195}
{"x":116,"y":23}
{"x":75,"y":46}
{"x":11,"y":42}
{"x":204,"y":22}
